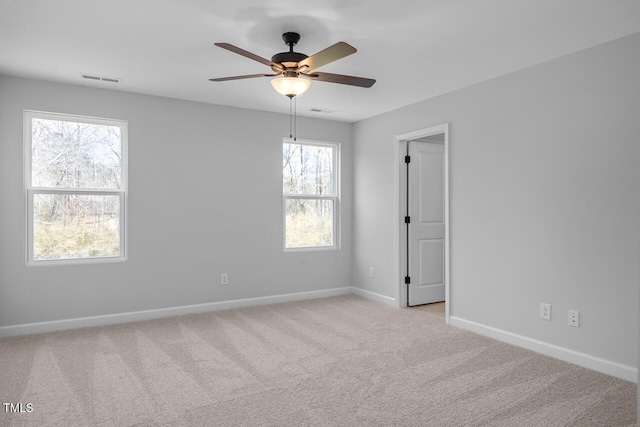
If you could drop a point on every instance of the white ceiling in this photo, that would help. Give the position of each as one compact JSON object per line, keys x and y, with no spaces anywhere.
{"x":416,"y":49}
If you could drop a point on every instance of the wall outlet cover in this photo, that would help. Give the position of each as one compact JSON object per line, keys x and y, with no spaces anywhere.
{"x":545,"y":311}
{"x":574,"y":318}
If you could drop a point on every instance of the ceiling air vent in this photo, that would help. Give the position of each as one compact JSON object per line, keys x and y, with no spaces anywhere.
{"x":100,"y":78}
{"x":321,"y":110}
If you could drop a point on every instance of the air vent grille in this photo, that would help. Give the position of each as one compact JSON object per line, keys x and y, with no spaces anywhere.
{"x":321,"y":110}
{"x":100,"y":78}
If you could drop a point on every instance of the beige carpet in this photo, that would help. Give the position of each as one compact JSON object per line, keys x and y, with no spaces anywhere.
{"x":342,"y":361}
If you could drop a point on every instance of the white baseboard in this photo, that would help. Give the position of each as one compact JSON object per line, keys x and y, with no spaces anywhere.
{"x":110,"y":319}
{"x":373,"y":296}
{"x":608,"y":367}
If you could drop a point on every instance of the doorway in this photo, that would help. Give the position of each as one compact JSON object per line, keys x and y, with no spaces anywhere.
{"x":423,"y":217}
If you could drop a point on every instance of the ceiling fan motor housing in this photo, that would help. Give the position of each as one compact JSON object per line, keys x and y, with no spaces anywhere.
{"x":289,"y":59}
{"x":293,"y":57}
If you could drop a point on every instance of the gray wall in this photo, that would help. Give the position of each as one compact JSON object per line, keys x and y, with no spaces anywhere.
{"x":545,"y":198}
{"x":205,"y":197}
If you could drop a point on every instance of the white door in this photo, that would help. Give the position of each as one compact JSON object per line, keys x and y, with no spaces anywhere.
{"x":426,"y":231}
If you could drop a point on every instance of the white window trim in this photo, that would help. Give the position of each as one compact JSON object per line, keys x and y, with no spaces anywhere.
{"x":335,"y":198}
{"x":30,"y":192}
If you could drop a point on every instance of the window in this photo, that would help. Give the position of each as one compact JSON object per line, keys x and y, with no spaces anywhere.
{"x":75,"y":180}
{"x":310,"y":193}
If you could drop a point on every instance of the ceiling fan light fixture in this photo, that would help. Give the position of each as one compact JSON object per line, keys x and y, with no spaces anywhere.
{"x":291,"y":86}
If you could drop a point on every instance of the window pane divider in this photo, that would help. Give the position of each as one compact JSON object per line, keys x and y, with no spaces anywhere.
{"x":310,"y":196}
{"x":82,"y":191}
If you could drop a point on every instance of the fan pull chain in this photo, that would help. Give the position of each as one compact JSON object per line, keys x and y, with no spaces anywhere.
{"x":290,"y":118}
{"x":293,"y":117}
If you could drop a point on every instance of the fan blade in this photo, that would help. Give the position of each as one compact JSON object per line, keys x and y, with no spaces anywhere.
{"x":330,"y":54}
{"x":249,"y":55}
{"x":248,"y":76}
{"x":342,"y":79}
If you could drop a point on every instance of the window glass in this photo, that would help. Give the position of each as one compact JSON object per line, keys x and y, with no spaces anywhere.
{"x":75,"y":226}
{"x":308,"y":169}
{"x":309,"y":223}
{"x":75,"y":155}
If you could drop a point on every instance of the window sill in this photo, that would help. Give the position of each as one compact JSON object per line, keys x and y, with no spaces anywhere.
{"x":312,"y":249}
{"x":73,"y":261}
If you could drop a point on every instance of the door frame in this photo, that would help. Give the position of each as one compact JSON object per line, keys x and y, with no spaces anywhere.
{"x":400,"y":240}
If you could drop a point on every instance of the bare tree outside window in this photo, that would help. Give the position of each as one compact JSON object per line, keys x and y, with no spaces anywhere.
{"x":310,"y":194}
{"x":75,"y":187}
{"x":75,"y":155}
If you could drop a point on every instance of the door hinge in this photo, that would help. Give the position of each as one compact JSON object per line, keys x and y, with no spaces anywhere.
{"x":407,"y":280}
{"x":407,"y":220}
{"x":407,"y":159}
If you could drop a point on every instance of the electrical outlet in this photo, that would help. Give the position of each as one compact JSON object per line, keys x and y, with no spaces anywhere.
{"x":545,"y":311}
{"x":372,"y":272}
{"x":224,"y":279}
{"x":574,"y":318}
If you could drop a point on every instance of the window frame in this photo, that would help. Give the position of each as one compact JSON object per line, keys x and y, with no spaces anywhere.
{"x":30,"y":192}
{"x":335,"y":197}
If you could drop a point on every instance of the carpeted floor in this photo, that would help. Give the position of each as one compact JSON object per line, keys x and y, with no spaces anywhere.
{"x":341,"y":361}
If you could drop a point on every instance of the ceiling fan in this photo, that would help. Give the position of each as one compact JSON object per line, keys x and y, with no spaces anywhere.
{"x":294,"y":71}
